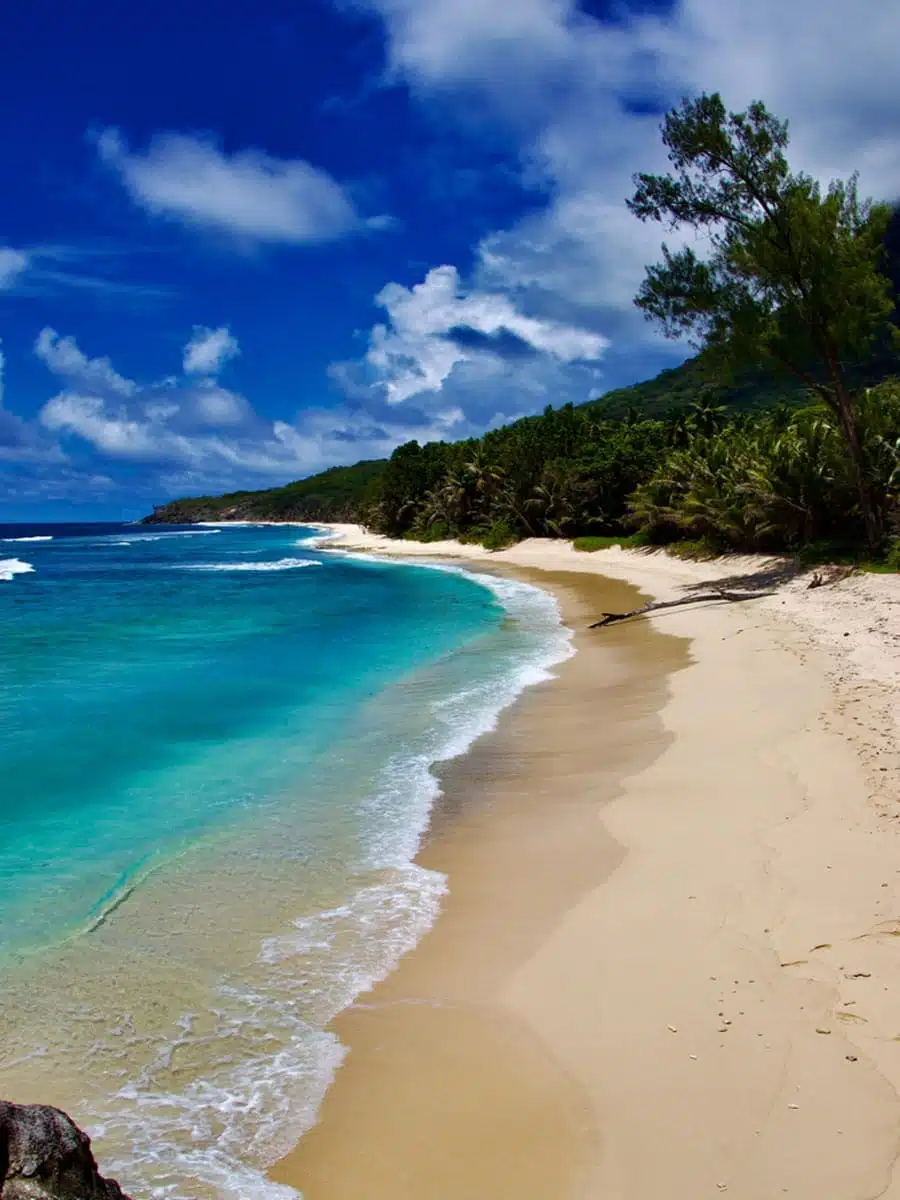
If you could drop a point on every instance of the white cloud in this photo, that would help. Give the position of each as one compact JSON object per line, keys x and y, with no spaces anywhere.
{"x":41,"y":270}
{"x":571,"y":91}
{"x":248,"y":194}
{"x":216,"y":405}
{"x":63,"y":356}
{"x":191,"y":434}
{"x":195,"y":458}
{"x":13,"y":264}
{"x":208,"y":350}
{"x":459,"y":360}
{"x":437,"y":325}
{"x":112,"y":432}
{"x":198,"y":433}
{"x":813,"y":61}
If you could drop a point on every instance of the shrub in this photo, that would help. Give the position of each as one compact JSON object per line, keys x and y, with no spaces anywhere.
{"x":500,"y":535}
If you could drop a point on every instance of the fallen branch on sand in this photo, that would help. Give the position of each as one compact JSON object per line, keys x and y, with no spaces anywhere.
{"x":656,"y":605}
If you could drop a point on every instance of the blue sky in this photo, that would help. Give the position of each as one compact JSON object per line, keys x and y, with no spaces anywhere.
{"x":241,"y":243}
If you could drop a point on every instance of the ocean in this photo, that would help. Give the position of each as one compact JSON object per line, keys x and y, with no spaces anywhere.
{"x":216,"y":751}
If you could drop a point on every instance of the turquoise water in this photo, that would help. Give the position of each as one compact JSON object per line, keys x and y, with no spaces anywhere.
{"x":216,"y":749}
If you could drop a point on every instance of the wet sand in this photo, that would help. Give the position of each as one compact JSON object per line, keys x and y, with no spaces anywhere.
{"x":447,"y":1090}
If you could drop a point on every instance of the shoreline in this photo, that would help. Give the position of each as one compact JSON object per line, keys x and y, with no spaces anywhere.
{"x":711,"y":1009}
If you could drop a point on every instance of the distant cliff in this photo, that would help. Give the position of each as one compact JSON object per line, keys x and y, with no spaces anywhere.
{"x":45,"y":1156}
{"x":339,"y":494}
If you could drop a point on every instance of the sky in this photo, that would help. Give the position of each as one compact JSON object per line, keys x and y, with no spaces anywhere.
{"x":241,"y":243}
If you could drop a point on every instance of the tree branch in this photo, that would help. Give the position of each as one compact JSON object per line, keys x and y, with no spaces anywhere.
{"x":656,"y":605}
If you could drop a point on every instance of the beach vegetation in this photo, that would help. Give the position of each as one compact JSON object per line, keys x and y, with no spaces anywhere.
{"x":590,"y":544}
{"x":500,"y":535}
{"x":788,"y":275}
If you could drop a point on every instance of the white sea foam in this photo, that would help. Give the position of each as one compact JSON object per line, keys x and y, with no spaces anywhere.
{"x":160,"y":537}
{"x":44,"y":538}
{"x":278,"y":564}
{"x":270,"y":1067}
{"x":10,"y":567}
{"x":319,"y":539}
{"x":465,"y":715}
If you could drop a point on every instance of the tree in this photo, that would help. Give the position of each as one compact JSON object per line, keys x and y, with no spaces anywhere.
{"x":792,"y":275}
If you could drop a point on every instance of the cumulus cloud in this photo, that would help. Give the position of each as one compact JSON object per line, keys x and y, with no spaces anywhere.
{"x":192,"y":434}
{"x":843,"y":118}
{"x":13,"y":264}
{"x":63,"y":356}
{"x":195,"y":434}
{"x":249,"y":194}
{"x":437,"y":328}
{"x":209,"y":350}
{"x":216,"y":405}
{"x":113,"y":432}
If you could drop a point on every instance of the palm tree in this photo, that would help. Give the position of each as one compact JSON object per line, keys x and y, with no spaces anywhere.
{"x":484,"y":480}
{"x":706,"y":415}
{"x":553,"y":505}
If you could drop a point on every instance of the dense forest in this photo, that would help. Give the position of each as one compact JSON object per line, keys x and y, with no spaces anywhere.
{"x":338,"y":494}
{"x":771,"y":478}
{"x":782,"y":434}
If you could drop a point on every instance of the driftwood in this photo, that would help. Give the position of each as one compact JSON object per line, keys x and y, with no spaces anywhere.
{"x":656,"y":605}
{"x":833,"y":575}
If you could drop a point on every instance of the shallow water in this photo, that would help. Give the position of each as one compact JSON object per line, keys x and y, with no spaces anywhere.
{"x":216,"y":748}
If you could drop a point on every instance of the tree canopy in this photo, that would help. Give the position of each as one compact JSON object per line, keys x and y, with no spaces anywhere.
{"x":792,"y":276}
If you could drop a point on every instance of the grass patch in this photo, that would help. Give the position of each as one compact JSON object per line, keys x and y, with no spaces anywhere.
{"x":438,"y":532}
{"x":590,"y":544}
{"x":879,"y":568}
{"x":820,"y":554}
{"x":699,"y":550}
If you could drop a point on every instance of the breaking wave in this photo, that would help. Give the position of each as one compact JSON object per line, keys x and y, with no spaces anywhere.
{"x":10,"y":567}
{"x":280,"y":564}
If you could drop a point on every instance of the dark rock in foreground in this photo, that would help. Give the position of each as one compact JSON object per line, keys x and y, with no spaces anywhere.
{"x":45,"y":1156}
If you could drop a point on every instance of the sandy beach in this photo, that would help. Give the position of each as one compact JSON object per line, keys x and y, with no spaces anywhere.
{"x":667,"y":964}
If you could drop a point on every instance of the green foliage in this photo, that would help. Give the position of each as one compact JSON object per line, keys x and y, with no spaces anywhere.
{"x":892,"y":554}
{"x":781,"y":480}
{"x":560,"y":474}
{"x":338,"y":494}
{"x":792,"y":274}
{"x":792,"y":277}
{"x":439,"y":531}
{"x":500,"y":535}
{"x":706,"y":479}
{"x":591,"y":544}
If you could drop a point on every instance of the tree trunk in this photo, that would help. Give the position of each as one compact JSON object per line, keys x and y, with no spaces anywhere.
{"x":867,"y":506}
{"x":842,"y":402}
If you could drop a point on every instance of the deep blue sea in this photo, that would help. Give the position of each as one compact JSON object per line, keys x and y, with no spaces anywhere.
{"x":215,"y":770}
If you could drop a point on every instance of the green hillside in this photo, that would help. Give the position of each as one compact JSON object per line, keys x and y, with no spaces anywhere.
{"x":337,"y":494}
{"x":344,"y":493}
